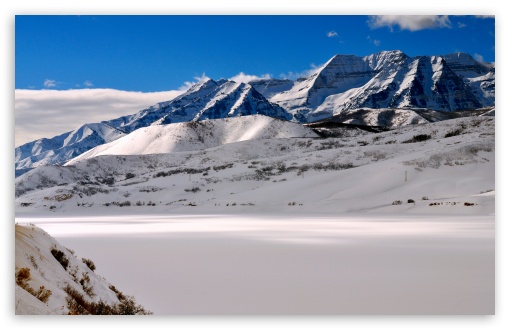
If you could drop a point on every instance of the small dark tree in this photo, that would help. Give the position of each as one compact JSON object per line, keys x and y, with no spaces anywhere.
{"x":89,"y":263}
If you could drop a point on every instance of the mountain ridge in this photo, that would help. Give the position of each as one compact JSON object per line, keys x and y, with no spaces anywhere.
{"x":388,"y":79}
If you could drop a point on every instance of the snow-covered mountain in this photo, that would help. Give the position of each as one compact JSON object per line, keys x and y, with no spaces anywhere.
{"x":159,"y":139}
{"x":390,"y":79}
{"x":345,"y":83}
{"x":207,"y":100}
{"x":51,"y":279}
{"x":61,"y":148}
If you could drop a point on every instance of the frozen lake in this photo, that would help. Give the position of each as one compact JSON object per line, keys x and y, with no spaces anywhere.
{"x":291,"y":264}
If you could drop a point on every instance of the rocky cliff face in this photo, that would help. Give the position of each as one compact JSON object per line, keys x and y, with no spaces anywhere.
{"x":390,"y":79}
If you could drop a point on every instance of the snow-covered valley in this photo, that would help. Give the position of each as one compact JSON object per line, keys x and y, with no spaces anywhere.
{"x":441,"y":168}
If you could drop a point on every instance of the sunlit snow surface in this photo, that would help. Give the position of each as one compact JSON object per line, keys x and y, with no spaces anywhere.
{"x":291,"y":264}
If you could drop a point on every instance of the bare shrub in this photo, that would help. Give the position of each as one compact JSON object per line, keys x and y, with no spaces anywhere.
{"x":22,"y":278}
{"x":33,"y":262}
{"x":63,"y":197}
{"x":454,"y":133}
{"x":222,"y":167}
{"x":60,"y":257}
{"x":418,"y":138}
{"x":375,"y":154}
{"x":121,"y":204}
{"x":85,"y":284}
{"x":43,"y":294}
{"x":89,"y":263}
{"x":397,"y":203}
{"x":78,"y":305}
{"x":181,"y":170}
{"x":150,"y":189}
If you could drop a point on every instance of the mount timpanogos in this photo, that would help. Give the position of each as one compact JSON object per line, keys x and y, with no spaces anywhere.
{"x":396,"y":88}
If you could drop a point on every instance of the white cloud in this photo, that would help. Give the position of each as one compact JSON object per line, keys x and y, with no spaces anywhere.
{"x":478,"y":57}
{"x":376,"y":42}
{"x":241,"y":77}
{"x":188,"y":84}
{"x":301,"y":74}
{"x":46,"y":113}
{"x":485,"y":16}
{"x":460,"y":25}
{"x":87,"y":83}
{"x":332,"y":34}
{"x":410,"y":22}
{"x":48,"y":83}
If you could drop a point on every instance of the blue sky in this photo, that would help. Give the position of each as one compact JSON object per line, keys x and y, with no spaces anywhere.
{"x":160,"y":53}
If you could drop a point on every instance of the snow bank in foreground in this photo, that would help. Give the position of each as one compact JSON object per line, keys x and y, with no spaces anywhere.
{"x":46,"y":272}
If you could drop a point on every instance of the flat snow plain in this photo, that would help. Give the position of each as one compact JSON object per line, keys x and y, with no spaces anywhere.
{"x":292,"y":263}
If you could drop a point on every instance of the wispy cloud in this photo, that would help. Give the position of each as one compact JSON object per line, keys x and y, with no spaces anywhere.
{"x":332,"y":34}
{"x":241,"y":77}
{"x":410,"y":22}
{"x":485,"y":16}
{"x":46,"y":113}
{"x":87,"y":83}
{"x":301,"y":74}
{"x":461,"y":25}
{"x":478,"y":57}
{"x":198,"y":80}
{"x":48,"y":83}
{"x":375,"y":42}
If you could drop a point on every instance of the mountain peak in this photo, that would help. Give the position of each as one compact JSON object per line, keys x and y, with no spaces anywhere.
{"x":459,"y":57}
{"x":201,"y":84}
{"x":465,"y":65}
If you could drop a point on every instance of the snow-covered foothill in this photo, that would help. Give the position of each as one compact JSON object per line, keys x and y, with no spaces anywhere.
{"x":448,"y":163}
{"x":159,"y":139}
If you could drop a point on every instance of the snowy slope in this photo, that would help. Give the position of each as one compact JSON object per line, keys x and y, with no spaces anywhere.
{"x":449,"y":163}
{"x":271,"y":87}
{"x":157,"y":139}
{"x":34,"y":252}
{"x":485,"y":87}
